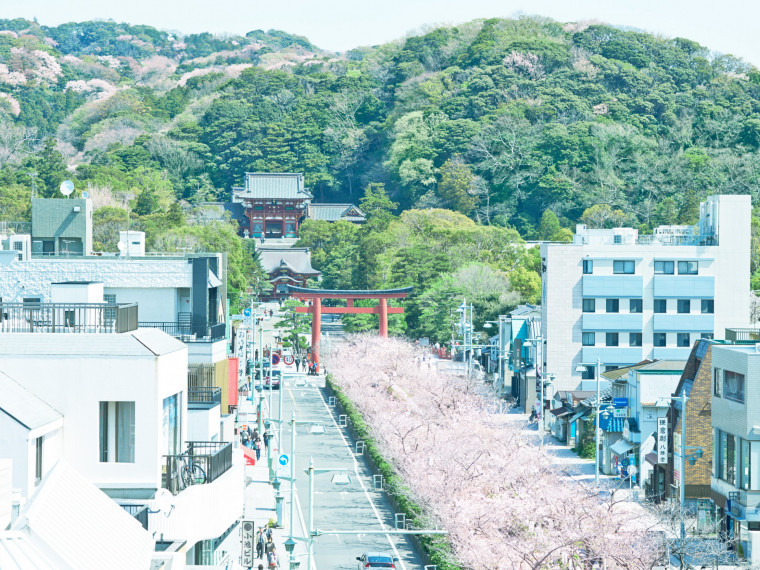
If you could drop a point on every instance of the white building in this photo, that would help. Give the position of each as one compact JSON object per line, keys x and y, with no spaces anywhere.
{"x":618,"y":298}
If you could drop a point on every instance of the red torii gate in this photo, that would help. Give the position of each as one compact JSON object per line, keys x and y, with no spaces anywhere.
{"x":316,"y":309}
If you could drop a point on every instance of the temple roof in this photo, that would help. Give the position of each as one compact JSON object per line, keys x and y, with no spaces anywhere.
{"x":271,"y":186}
{"x":335,"y":212}
{"x":296,"y":259}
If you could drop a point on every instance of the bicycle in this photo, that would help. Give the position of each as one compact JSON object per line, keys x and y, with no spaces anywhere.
{"x":190,"y":472}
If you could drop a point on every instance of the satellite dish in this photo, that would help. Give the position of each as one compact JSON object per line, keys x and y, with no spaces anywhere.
{"x":122,"y":247}
{"x":85,"y":194}
{"x":67,"y":187}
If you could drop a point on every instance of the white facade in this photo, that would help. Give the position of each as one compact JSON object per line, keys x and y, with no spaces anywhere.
{"x":76,"y":373}
{"x":640,"y":302}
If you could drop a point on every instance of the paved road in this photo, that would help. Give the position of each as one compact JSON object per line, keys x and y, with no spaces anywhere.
{"x":351,"y":506}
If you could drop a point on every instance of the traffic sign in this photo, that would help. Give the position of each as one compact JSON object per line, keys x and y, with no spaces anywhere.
{"x":283,"y":460}
{"x":247,"y":312}
{"x":275,"y":359}
{"x":288,"y":359}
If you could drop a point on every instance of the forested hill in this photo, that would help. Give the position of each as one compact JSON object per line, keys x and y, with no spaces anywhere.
{"x":497,"y":119}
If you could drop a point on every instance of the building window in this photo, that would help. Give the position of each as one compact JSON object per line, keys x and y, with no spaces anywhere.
{"x":588,"y":266}
{"x":589,"y":339}
{"x":708,"y":306}
{"x":660,"y":305}
{"x":612,"y":339}
{"x":626,"y":267}
{"x":617,"y":239}
{"x":589,"y":305}
{"x":684,"y":306}
{"x":659,"y":339}
{"x":688,"y":267}
{"x":726,"y":457}
{"x":634,"y":339}
{"x":733,"y":386}
{"x":588,"y":373}
{"x":613,"y":305}
{"x":664,"y":267}
{"x":707,"y":336}
{"x":717,"y":381}
{"x":745,"y":472}
{"x":682,"y":339}
{"x":635,"y":305}
{"x":38,"y":459}
{"x":117,"y":432}
{"x":172,"y":424}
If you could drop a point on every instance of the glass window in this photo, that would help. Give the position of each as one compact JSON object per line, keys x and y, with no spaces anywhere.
{"x":660,"y":305}
{"x":659,"y":339}
{"x":613,"y":305}
{"x":623,"y":267}
{"x":589,"y":339}
{"x":746,"y":466}
{"x":171,"y":427}
{"x":682,"y":339}
{"x":635,"y":305}
{"x":589,"y":305}
{"x":589,"y":373}
{"x":617,"y":239}
{"x":708,"y":306}
{"x":634,"y":339}
{"x":717,"y":381}
{"x":588,"y":266}
{"x":117,"y":432}
{"x":612,"y":339}
{"x":664,"y":267}
{"x":733,"y":386}
{"x":688,"y":267}
{"x":727,"y":457}
{"x":684,"y":306}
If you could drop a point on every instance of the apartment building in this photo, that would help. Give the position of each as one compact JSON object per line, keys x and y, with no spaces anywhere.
{"x":616,"y":298}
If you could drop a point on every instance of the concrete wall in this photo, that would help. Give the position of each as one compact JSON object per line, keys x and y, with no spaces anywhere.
{"x":204,"y":424}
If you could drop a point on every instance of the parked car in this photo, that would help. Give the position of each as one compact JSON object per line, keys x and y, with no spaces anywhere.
{"x":274,"y":377}
{"x":376,"y":560}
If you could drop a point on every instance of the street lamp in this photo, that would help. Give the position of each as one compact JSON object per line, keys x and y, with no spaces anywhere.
{"x":581,"y":368}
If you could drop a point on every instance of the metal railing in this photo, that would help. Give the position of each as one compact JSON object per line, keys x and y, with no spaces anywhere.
{"x":42,"y":317}
{"x":11,"y":228}
{"x":743,"y":335}
{"x":140,"y":512}
{"x":214,"y":457}
{"x":204,"y":395}
{"x":677,"y":239}
{"x":189,"y":331}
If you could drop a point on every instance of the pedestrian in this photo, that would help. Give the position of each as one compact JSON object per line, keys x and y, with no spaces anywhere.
{"x":266,"y":439}
{"x":269,"y":547}
{"x":257,"y":449}
{"x":298,"y":363}
{"x":270,"y":535}
{"x":244,"y":436}
{"x":260,"y":544}
{"x":273,"y":559}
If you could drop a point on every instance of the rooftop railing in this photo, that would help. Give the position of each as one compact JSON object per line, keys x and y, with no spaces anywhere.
{"x":204,"y":395}
{"x":39,"y":317}
{"x":203,"y":462}
{"x":189,"y":331}
{"x":743,"y":335}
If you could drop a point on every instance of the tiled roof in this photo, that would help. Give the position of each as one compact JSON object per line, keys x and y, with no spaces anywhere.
{"x":335,"y":212}
{"x":265,"y":185}
{"x":297,"y":259}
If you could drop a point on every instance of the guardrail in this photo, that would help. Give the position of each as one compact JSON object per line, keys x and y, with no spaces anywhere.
{"x":189,"y":331}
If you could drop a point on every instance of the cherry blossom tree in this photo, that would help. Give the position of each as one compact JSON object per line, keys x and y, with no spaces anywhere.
{"x":503,"y":501}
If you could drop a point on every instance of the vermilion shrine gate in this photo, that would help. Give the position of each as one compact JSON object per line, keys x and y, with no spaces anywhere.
{"x":315,"y":308}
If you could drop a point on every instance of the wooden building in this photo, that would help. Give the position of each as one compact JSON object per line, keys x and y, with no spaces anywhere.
{"x":274,"y":204}
{"x":286,"y":266}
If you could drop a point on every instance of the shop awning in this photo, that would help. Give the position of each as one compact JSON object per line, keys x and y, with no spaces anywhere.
{"x":561,"y":412}
{"x":651,"y":458}
{"x":621,"y":447}
{"x":578,"y":415}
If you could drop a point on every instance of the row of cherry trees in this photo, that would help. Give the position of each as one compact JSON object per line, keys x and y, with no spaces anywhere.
{"x":503,"y":502}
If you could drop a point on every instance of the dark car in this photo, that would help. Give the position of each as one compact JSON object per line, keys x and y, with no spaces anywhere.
{"x":376,"y":560}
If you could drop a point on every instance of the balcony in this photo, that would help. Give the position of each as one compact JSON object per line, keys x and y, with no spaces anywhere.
{"x":200,"y":397}
{"x":41,"y":317}
{"x":213,"y":457}
{"x":139,"y":512}
{"x":190,"y":331}
{"x":743,"y":335}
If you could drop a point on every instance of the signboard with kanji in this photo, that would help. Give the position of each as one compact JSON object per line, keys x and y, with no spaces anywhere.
{"x":247,"y":548}
{"x":662,"y":440}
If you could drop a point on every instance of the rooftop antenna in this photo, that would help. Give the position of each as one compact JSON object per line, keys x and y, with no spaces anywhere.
{"x":67,"y":187}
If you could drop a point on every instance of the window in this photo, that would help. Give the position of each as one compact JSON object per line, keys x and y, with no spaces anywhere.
{"x":733,"y":386}
{"x":688,"y":267}
{"x":117,"y":432}
{"x":634,"y":339}
{"x":708,"y":306}
{"x":589,"y":305}
{"x":635,"y":305}
{"x":707,"y":336}
{"x":612,"y":339}
{"x":617,"y":239}
{"x":589,"y":339}
{"x":682,"y":339}
{"x":717,"y":381}
{"x":726,"y":457}
{"x":38,"y":459}
{"x":664,"y":267}
{"x":684,"y":306}
{"x":626,"y":267}
{"x":588,"y":266}
{"x":589,"y":372}
{"x":613,"y":305}
{"x":171,"y":428}
{"x":745,"y":471}
{"x":660,"y":305}
{"x":659,"y":339}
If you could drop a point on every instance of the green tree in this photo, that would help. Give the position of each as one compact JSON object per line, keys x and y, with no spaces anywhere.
{"x":456,"y":186}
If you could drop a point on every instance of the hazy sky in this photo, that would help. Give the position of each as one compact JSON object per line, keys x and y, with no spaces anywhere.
{"x":727,"y":26}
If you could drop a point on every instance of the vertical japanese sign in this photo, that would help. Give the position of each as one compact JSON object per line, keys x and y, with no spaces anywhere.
{"x":247,"y":541}
{"x":662,"y":440}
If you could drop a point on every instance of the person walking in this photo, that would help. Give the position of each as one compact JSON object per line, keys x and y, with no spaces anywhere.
{"x":266,"y":439}
{"x":273,"y":560}
{"x":260,"y":544}
{"x":269,"y":547}
{"x":298,"y":363}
